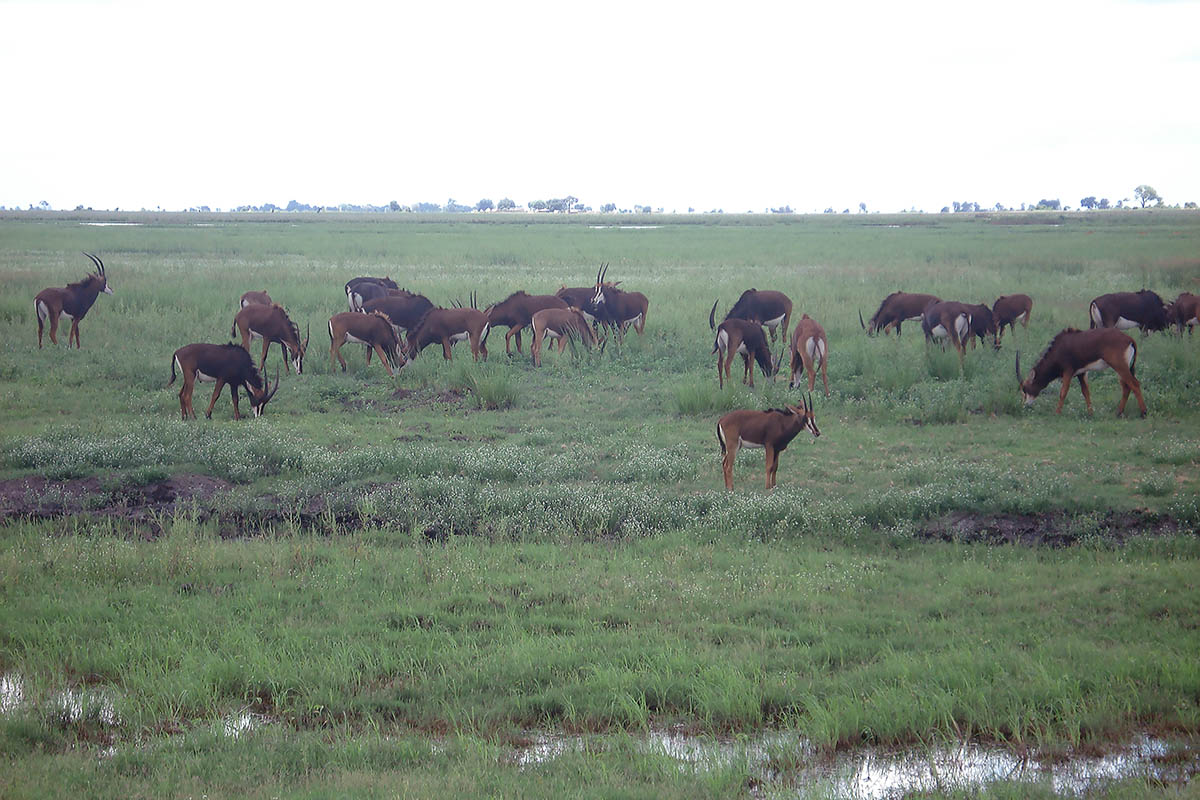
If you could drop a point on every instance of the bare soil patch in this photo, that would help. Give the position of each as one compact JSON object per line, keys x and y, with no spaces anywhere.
{"x":1046,"y":529}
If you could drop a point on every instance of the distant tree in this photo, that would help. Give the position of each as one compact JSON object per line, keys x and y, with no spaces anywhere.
{"x":829,"y":210}
{"x":506,"y":204}
{"x":782,"y":210}
{"x":608,"y":208}
{"x":1188,"y":205}
{"x":1146,"y":194}
{"x":862,"y":208}
{"x":1048,"y":205}
{"x":946,"y":209}
{"x":1103,"y":204}
{"x":455,"y":207}
{"x":426,"y":208}
{"x":537,"y":205}
{"x":393,"y":206}
{"x":570,"y":201}
{"x":1000,"y":207}
{"x":1089,"y":202}
{"x":484,"y":205}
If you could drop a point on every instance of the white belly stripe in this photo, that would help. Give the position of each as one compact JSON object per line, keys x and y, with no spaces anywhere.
{"x":752,"y":445}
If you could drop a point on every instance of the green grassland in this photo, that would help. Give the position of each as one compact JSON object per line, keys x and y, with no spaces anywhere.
{"x":469,"y":552}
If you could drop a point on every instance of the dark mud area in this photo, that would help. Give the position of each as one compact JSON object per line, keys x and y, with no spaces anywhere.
{"x":1047,"y":529}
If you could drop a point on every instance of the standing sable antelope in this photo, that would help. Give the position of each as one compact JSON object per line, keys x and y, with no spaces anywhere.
{"x":739,"y":336}
{"x":1125,"y":310}
{"x":948,"y":320}
{"x":896,"y":309}
{"x":809,"y":348}
{"x":450,"y":325}
{"x":983,"y":325}
{"x":619,"y":308}
{"x":1073,"y":354}
{"x":374,"y":330}
{"x":356,"y":298}
{"x":259,"y":298}
{"x":767,"y":308}
{"x":560,"y":324}
{"x":772,"y":430}
{"x":580,"y":297}
{"x":404,"y":310}
{"x":1010,"y":309}
{"x":1185,"y":310}
{"x":517,"y":310}
{"x":271,"y":324}
{"x":71,"y":301}
{"x":224,"y":364}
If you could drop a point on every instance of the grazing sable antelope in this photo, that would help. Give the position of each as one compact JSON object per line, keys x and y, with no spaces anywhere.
{"x":948,"y":320}
{"x":621,"y":309}
{"x":1010,"y":309}
{"x":224,"y":364}
{"x":580,"y":297}
{"x":374,"y":330}
{"x":71,"y":301}
{"x":1073,"y":354}
{"x":271,"y":324}
{"x":896,"y":309}
{"x":1125,"y":310}
{"x":772,"y":430}
{"x":260,"y":298}
{"x":517,"y":310}
{"x":809,"y":348}
{"x":404,"y":310}
{"x":983,"y":324}
{"x":1184,"y":310}
{"x":560,"y":324}
{"x":356,"y":298}
{"x":739,"y":336}
{"x":767,"y":308}
{"x":449,"y":325}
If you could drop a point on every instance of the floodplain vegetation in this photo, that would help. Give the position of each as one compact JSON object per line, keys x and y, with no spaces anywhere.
{"x":404,"y":586}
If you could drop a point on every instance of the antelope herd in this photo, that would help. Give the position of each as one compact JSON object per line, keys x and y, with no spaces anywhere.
{"x":397,"y":325}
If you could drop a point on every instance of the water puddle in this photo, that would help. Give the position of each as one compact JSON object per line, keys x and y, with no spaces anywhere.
{"x":243,"y":722}
{"x":624,"y":227}
{"x":12,"y":693}
{"x":113,"y":224}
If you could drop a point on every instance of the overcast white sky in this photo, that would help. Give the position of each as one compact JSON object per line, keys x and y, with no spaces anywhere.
{"x":734,"y":105}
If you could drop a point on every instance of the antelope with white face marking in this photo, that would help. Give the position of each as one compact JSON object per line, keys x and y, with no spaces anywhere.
{"x":222,"y":364}
{"x":1185,"y":310}
{"x":255,"y":298}
{"x":517,"y":312}
{"x":71,"y":301}
{"x":768,"y":308}
{"x":948,"y":320}
{"x":1010,"y":309}
{"x":271,"y":324}
{"x":450,"y":325}
{"x":619,"y":308}
{"x":744,"y":338}
{"x":772,"y":430}
{"x":809,"y":348}
{"x":374,"y":330}
{"x":983,"y":325}
{"x":896,"y":309}
{"x":360,"y":290}
{"x":1073,"y":354}
{"x":559,"y":324}
{"x":1125,"y":310}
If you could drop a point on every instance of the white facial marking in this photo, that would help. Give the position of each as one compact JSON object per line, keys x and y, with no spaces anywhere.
{"x":107,"y":289}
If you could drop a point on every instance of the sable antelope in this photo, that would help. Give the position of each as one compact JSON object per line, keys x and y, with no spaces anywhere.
{"x":356,"y":298}
{"x":620,"y":308}
{"x":560,"y":324}
{"x":517,"y":310}
{"x":449,"y":325}
{"x":374,"y":330}
{"x":271,"y":324}
{"x":580,"y":297}
{"x":1010,"y":309}
{"x":260,"y":298}
{"x":1074,"y":353}
{"x":983,"y":324}
{"x":772,"y":430}
{"x":739,"y":336}
{"x":404,"y":310}
{"x":71,"y":301}
{"x":948,"y":320}
{"x":896,"y":308}
{"x":767,"y":308}
{"x":224,"y":364}
{"x":809,"y":348}
{"x":1125,"y":310}
{"x":1185,"y":310}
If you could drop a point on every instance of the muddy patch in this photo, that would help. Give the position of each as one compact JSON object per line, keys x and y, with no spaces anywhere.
{"x":1046,"y":529}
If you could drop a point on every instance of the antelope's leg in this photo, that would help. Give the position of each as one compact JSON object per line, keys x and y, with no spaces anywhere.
{"x":185,"y":396}
{"x":40,"y":325}
{"x":335,"y":349}
{"x":824,"y":377}
{"x":731,"y":448}
{"x":74,"y":334}
{"x":233,"y":393}
{"x":1130,"y":383}
{"x":772,"y":465}
{"x":216,"y":393}
{"x":749,"y":376}
{"x":720,"y":369}
{"x":382,"y":359}
{"x":1087,"y":394}
{"x":262,"y":364}
{"x":1062,"y":395}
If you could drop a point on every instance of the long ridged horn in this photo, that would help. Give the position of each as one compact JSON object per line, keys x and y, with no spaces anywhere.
{"x":862,"y":324}
{"x":712,"y":316}
{"x":811,"y":407}
{"x":271,"y":388}
{"x":99,"y":264}
{"x":604,"y":272}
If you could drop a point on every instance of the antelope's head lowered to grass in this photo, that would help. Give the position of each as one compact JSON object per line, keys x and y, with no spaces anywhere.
{"x":221,"y":364}
{"x":1073,"y":354}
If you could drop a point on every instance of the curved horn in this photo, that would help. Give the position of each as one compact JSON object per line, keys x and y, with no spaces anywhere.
{"x":811,"y":407}
{"x":307,"y":335}
{"x":99,"y":264}
{"x":712,"y":315}
{"x":598,"y":271}
{"x":1018,"y":367}
{"x":862,"y":324}
{"x":271,"y":388}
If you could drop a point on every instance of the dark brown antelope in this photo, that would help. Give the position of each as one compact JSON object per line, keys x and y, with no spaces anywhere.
{"x":1010,"y":309}
{"x":809,"y":348}
{"x":767,"y":307}
{"x":1125,"y":310}
{"x":560,"y":324}
{"x":450,"y":325}
{"x":948,"y":320}
{"x":259,"y":298}
{"x":271,"y":324}
{"x":71,"y":301}
{"x":983,"y":325}
{"x":371,"y":288}
{"x":1073,"y":354}
{"x":374,"y":330}
{"x":517,"y":310}
{"x":772,"y":430}
{"x":896,"y":309}
{"x":619,"y":308}
{"x":744,"y":338}
{"x":1185,"y":310}
{"x":222,"y":364}
{"x":404,"y":310}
